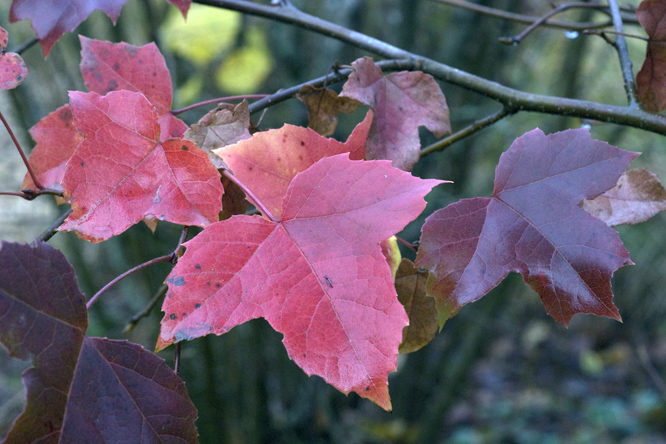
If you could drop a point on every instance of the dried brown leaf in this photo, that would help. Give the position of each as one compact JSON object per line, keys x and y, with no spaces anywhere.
{"x":637,"y":196}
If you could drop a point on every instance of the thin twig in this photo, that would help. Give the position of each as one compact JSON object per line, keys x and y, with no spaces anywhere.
{"x":603,"y":32}
{"x":329,"y":79}
{"x":146,"y":310}
{"x":25,"y":45}
{"x":652,"y":372}
{"x":409,"y":245}
{"x":623,"y":53}
{"x":166,"y":258}
{"x":29,"y":194}
{"x":542,"y":20}
{"x":440,"y":145}
{"x":220,"y":100}
{"x":513,"y":99}
{"x":527,"y":19}
{"x":53,"y":229}
{"x":250,"y":196}
{"x":36,"y":181}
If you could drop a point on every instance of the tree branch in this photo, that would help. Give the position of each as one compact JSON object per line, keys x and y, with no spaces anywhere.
{"x":623,"y":53}
{"x":544,"y":18}
{"x":511,"y":98}
{"x":440,"y":145}
{"x":528,"y":19}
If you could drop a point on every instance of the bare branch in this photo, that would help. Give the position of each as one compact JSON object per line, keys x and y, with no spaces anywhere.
{"x":511,"y":98}
{"x":623,"y":53}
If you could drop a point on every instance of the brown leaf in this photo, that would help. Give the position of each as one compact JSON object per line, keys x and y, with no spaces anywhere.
{"x":323,"y":107}
{"x":410,"y":283}
{"x":225,"y":125}
{"x":233,"y":199}
{"x":651,"y":79}
{"x":637,"y":196}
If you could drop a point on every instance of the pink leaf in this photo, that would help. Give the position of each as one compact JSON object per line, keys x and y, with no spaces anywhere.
{"x":317,"y":275}
{"x":121,"y":172}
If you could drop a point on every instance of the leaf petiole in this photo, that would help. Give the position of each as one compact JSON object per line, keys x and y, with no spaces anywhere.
{"x":33,"y":176}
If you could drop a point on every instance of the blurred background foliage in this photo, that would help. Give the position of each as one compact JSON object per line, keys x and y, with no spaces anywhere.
{"x":501,"y":371}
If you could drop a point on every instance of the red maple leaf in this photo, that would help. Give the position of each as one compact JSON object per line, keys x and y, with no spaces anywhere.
{"x":121,"y":172}
{"x":402,"y":102}
{"x":651,"y":79}
{"x":56,"y":140}
{"x":105,"y":67}
{"x":533,"y":225}
{"x":80,"y":389}
{"x":110,"y":67}
{"x":12,"y":67}
{"x":52,"y":18}
{"x":317,"y":274}
{"x":267,"y":162}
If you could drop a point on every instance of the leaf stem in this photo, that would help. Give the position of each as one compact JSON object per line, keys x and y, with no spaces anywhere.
{"x":36,"y":181}
{"x":167,"y":258}
{"x":541,"y":20}
{"x":250,"y":196}
{"x":442,"y":144}
{"x":514,"y":99}
{"x":221,"y":99}
{"x":25,"y":45}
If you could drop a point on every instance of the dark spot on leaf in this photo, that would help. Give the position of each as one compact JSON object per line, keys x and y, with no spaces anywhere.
{"x":112,"y":86}
{"x":367,"y":389}
{"x":304,"y":355}
{"x":217,"y":285}
{"x":116,"y":66}
{"x":249,"y":168}
{"x":197,"y":305}
{"x":178,"y":281}
{"x":83,"y":164}
{"x":208,"y":283}
{"x":198,"y":266}
{"x":154,"y":74}
{"x":172,"y":317}
{"x":184,"y":148}
{"x":302,"y":143}
{"x":184,"y":314}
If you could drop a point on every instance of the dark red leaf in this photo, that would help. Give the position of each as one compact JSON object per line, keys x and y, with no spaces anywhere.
{"x":52,"y":18}
{"x":121,"y":173}
{"x":532,"y":225}
{"x":80,"y":389}
{"x":651,"y":79}
{"x":268,"y":161}
{"x":402,"y":102}
{"x":318,"y":275}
